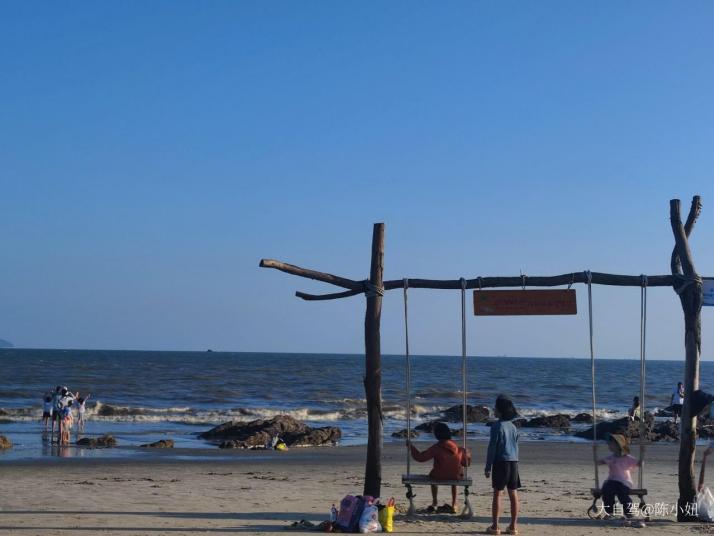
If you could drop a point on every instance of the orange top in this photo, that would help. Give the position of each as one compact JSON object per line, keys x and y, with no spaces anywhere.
{"x":449,"y":460}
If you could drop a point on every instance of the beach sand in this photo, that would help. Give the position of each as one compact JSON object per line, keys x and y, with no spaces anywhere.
{"x":263,"y":492}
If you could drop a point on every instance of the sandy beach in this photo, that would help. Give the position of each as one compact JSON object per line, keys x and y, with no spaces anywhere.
{"x":251,"y":492}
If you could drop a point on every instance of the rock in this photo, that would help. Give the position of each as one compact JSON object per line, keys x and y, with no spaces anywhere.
{"x":106,"y":441}
{"x":549,"y":421}
{"x":583,"y":417}
{"x":5,"y":443}
{"x":161,"y":444}
{"x":665,"y":412}
{"x":107,"y":410}
{"x":473,"y":414}
{"x":518,"y":423}
{"x":665,"y":431}
{"x":403,"y":433}
{"x":3,"y":412}
{"x":258,"y":433}
{"x":705,"y":426}
{"x":428,"y":427}
{"x":624,"y":426}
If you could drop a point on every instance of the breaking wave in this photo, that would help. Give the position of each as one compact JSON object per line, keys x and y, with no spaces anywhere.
{"x":354,"y":410}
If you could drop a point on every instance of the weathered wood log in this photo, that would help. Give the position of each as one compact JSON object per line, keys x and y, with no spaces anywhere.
{"x":598,"y":278}
{"x":373,"y":366}
{"x":312,"y":274}
{"x":688,"y":286}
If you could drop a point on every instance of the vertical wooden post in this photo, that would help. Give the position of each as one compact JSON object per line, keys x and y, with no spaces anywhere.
{"x":688,"y":286}
{"x":373,"y":366}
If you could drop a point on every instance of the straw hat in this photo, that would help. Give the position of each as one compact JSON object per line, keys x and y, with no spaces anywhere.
{"x":622,"y":442}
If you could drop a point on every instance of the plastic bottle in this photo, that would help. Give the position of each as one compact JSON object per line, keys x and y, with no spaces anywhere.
{"x":333,"y":514}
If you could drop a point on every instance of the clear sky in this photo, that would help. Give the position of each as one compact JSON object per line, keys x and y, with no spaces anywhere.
{"x":152,"y":152}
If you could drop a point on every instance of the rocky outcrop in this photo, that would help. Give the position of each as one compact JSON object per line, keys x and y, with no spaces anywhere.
{"x":473,"y":414}
{"x":106,"y":441}
{"x":161,"y":444}
{"x":665,"y":431}
{"x":705,"y":426}
{"x":5,"y":443}
{"x":258,"y":433}
{"x":624,"y":426}
{"x":402,"y":434}
{"x":549,"y":421}
{"x":583,"y":418}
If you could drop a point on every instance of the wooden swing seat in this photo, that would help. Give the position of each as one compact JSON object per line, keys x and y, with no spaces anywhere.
{"x":426,"y":480}
{"x":637,"y":492}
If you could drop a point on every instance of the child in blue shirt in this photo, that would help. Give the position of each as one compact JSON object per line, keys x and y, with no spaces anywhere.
{"x":502,"y":463}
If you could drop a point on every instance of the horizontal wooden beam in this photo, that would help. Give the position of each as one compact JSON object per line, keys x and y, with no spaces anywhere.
{"x":358,"y":287}
{"x":535,"y":281}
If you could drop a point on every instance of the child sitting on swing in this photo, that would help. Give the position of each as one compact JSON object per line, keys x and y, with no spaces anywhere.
{"x":619,"y":478}
{"x":449,"y":461}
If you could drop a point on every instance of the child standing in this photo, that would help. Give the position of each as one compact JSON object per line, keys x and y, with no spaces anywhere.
{"x":46,"y":410}
{"x":449,"y":461}
{"x":66,"y":428}
{"x":81,"y":408}
{"x":619,"y":479}
{"x":502,"y":463}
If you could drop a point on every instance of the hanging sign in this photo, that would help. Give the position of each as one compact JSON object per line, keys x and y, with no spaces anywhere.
{"x":708,"y":284}
{"x":524,"y":302}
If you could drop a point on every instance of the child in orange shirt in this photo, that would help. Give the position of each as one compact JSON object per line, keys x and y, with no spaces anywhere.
{"x":449,"y":461}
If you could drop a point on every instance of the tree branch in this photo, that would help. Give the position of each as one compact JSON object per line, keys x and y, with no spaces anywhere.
{"x":333,"y":296}
{"x":682,"y":261}
{"x":313,"y":274}
{"x":694,"y":211}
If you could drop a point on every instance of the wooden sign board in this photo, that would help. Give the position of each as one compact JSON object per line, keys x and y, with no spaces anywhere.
{"x":524,"y":302}
{"x":708,"y":284}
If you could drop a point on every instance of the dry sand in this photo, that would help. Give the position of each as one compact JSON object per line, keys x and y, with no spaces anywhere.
{"x":262,"y":492}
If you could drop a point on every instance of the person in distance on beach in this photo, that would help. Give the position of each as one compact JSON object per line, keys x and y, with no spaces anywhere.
{"x":56,"y":396}
{"x":46,"y":411}
{"x":65,"y":400}
{"x":502,"y":463}
{"x":677,"y":401}
{"x":81,"y":408}
{"x":635,"y":411}
{"x":449,"y":461}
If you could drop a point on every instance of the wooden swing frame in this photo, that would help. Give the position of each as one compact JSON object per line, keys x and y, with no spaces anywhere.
{"x":684,"y":279}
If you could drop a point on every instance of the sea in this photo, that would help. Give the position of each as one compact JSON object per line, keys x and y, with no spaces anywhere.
{"x":140,"y":397}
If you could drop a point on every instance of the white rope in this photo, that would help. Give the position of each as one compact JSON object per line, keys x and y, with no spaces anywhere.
{"x":408,"y":378}
{"x":643,"y":378}
{"x":463,"y":362}
{"x":589,"y":278}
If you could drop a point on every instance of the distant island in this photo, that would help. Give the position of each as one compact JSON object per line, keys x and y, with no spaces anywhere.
{"x":6,"y":344}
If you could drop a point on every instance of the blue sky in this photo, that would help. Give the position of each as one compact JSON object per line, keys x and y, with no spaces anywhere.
{"x":152,"y":153}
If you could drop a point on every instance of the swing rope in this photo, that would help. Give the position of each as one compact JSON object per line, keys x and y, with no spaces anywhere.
{"x":463,"y":363}
{"x":408,"y":378}
{"x":643,"y":340}
{"x":589,"y":278}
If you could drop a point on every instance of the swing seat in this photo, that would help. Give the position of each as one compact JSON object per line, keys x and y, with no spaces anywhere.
{"x":426,"y":480}
{"x":640,"y":493}
{"x":637,"y":492}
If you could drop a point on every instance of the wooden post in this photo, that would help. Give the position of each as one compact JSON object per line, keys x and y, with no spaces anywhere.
{"x":688,"y":286}
{"x":373,"y":366}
